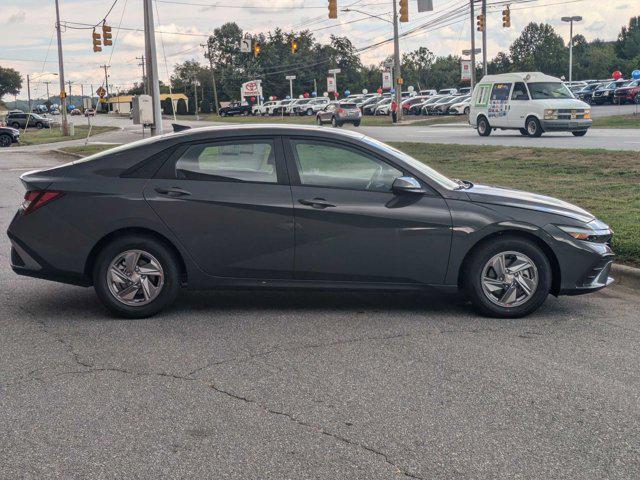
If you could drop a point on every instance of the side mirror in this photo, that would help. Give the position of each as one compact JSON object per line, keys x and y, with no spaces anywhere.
{"x":406,"y":185}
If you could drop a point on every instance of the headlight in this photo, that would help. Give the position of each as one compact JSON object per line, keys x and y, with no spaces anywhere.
{"x":587,"y":114}
{"x":550,"y":114}
{"x":587,"y":234}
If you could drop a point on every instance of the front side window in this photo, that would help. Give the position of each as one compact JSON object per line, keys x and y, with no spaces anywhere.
{"x":549,"y":90}
{"x":519,"y":92}
{"x":325,"y":165}
{"x":482,"y":96}
{"x":229,"y":161}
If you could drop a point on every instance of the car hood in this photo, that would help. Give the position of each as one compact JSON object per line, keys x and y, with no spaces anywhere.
{"x":563,"y":103}
{"x":530,"y":201}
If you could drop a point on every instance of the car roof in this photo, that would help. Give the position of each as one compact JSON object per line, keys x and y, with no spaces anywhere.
{"x":519,"y":77}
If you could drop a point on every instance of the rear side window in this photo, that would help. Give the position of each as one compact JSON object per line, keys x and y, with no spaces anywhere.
{"x":482,"y":95}
{"x":519,"y":92}
{"x":348,"y":106}
{"x":231,"y":162}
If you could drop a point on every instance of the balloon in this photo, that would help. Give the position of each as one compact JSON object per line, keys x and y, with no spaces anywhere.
{"x":325,"y":94}
{"x":253,"y":99}
{"x":379,"y":91}
{"x":393,"y":90}
{"x":410,"y":88}
{"x":365,"y":91}
{"x":314,"y":94}
{"x":617,"y":75}
{"x":347,"y":93}
{"x":306,"y":95}
{"x":287,"y":97}
{"x":301,"y":96}
{"x":635,"y":74}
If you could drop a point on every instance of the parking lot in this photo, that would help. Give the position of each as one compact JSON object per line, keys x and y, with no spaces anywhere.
{"x":255,"y":385}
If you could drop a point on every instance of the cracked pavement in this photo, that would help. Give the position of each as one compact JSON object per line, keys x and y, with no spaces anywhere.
{"x":303,"y":385}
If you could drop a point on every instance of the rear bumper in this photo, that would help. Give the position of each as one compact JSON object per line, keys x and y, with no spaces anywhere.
{"x":565,"y":125}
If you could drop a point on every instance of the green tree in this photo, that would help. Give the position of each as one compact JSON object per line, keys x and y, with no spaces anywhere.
{"x":10,"y":82}
{"x":500,"y":64}
{"x":539,"y":48}
{"x":415,"y":67}
{"x":628,"y":44}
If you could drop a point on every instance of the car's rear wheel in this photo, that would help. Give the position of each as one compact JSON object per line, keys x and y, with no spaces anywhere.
{"x":581,"y":133}
{"x":484,"y":129}
{"x":466,"y":111}
{"x":509,"y":277}
{"x":16,"y":125}
{"x":5,"y":140}
{"x":39,"y":125}
{"x":356,"y":124}
{"x":534,"y":129}
{"x":136,"y":276}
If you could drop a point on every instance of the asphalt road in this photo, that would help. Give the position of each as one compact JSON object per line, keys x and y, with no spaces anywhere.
{"x":287,"y":385}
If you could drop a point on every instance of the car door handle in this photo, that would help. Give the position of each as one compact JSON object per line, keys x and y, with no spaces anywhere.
{"x":173,"y":191}
{"x":316,"y":203}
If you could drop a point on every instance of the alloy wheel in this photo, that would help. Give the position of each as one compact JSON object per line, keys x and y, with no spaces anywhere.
{"x":135,"y":278}
{"x":509,"y":279}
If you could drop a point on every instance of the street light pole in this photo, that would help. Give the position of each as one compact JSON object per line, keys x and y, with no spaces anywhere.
{"x":473,"y":46}
{"x":63,"y":99}
{"x":29,"y":92}
{"x":152,"y":67}
{"x":575,"y":18}
{"x":396,"y":62}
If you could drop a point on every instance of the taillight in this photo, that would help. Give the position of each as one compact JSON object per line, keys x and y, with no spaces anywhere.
{"x":35,"y":199}
{"x":340,"y":110}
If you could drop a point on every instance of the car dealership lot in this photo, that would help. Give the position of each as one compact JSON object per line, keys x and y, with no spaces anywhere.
{"x":311,"y":385}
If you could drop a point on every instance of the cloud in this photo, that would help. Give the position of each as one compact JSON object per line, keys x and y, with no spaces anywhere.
{"x":16,"y":18}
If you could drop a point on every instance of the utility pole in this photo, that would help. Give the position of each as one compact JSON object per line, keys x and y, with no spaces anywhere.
{"x":396,"y":60}
{"x":63,"y":99}
{"x":145,"y":87}
{"x":195,"y":92}
{"x":106,"y":78}
{"x":291,"y":78}
{"x":47,"y":83}
{"x":576,"y":18}
{"x":473,"y":46}
{"x":209,"y":55}
{"x":152,"y":66}
{"x":69,"y":82}
{"x":484,"y":38}
{"x":29,"y":92}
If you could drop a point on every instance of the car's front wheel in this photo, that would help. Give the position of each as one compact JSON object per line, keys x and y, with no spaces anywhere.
{"x":509,"y":277}
{"x":319,"y":121}
{"x":5,"y":140}
{"x":16,"y":125}
{"x":484,"y":129}
{"x":580,"y":133}
{"x":136,"y":276}
{"x":533,"y":127}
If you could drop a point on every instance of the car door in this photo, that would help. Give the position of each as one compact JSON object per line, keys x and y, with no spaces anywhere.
{"x":519,"y":105}
{"x":498,"y":109}
{"x":327,"y":113}
{"x":350,"y":226}
{"x":229,"y":203}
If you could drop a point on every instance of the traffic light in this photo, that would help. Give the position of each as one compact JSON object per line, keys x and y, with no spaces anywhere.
{"x":106,"y":35}
{"x":481,"y":22}
{"x":257,"y":48}
{"x":294,"y":46}
{"x":404,"y":10}
{"x":96,"y":41}
{"x":506,"y":17}
{"x":333,"y":8}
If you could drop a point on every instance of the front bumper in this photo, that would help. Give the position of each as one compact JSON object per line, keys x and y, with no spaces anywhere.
{"x":565,"y":125}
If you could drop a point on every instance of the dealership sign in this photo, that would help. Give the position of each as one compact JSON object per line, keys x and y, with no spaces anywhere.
{"x":252,"y":88}
{"x":386,"y":80}
{"x":331,"y":84}
{"x":465,"y":69}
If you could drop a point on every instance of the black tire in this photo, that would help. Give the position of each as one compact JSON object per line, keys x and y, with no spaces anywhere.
{"x":5,"y":140}
{"x":16,"y":125}
{"x":473,"y":271}
{"x":223,"y":114}
{"x":581,"y":133}
{"x":484,"y":129}
{"x":165,"y":257}
{"x":319,"y":121}
{"x":533,"y":127}
{"x":334,"y":122}
{"x":466,"y":111}
{"x":523,"y":132}
{"x":356,"y":124}
{"x":39,"y":125}
{"x":309,"y":111}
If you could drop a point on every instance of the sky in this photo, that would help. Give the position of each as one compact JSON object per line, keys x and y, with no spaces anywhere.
{"x":28,"y":42}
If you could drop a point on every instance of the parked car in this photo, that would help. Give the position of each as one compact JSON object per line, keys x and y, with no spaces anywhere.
{"x":368,"y":107}
{"x":448,"y":91}
{"x":629,"y":93}
{"x":586,"y":93}
{"x":281,"y":107}
{"x":19,"y":120}
{"x":606,"y":93}
{"x":220,"y":207}
{"x":464,"y":91}
{"x":530,"y":102}
{"x":75,"y":112}
{"x":575,"y":86}
{"x":443,"y":108}
{"x":383,"y":107}
{"x":317,"y":104}
{"x":424,"y":110}
{"x":406,"y":104}
{"x":432,"y":108}
{"x":235,"y":108}
{"x":339,"y":113}
{"x":461,"y":107}
{"x":9,"y":136}
{"x":262,"y":109}
{"x":302,"y":107}
{"x":428,"y":93}
{"x":89,"y":112}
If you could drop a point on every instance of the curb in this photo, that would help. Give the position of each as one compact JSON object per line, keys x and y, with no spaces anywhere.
{"x":62,"y":152}
{"x":627,"y":276}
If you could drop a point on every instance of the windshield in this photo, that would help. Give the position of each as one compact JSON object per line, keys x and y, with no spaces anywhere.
{"x":549,"y":90}
{"x":417,"y":164}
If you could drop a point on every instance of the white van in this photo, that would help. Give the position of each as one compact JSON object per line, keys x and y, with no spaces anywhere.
{"x":530,"y":102}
